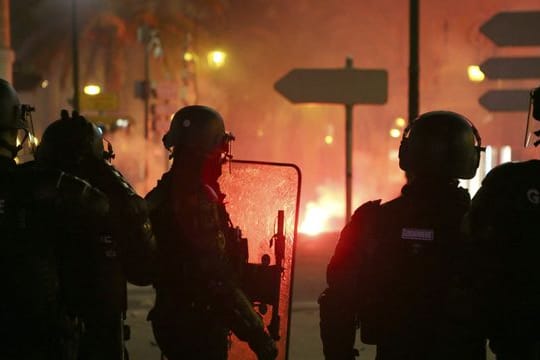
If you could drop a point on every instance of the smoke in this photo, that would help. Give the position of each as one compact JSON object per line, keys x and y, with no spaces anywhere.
{"x":141,"y":162}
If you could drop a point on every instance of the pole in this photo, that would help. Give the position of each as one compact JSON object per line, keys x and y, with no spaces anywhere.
{"x":348,"y":151}
{"x":414,"y":67}
{"x":146,"y":81}
{"x":75,"y":54}
{"x":6,"y":54}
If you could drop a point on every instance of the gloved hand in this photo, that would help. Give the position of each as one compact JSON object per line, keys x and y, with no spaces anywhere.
{"x":263,"y":346}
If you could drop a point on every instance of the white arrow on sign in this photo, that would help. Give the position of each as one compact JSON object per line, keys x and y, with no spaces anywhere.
{"x":337,"y":86}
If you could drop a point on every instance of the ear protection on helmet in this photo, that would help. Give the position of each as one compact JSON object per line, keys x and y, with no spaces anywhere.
{"x":407,"y":161}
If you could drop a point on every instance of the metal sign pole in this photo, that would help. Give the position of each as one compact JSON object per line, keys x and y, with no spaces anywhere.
{"x":414,"y":58}
{"x":348,"y":151}
{"x":75,"y":55}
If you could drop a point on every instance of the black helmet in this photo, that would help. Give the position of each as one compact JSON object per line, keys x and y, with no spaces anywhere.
{"x":197,"y":128}
{"x":440,"y":144}
{"x":11,"y":116}
{"x":70,"y":140}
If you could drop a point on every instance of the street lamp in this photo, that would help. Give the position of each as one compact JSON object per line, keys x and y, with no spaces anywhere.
{"x":216,"y":58}
{"x":92,"y":89}
{"x":475,"y":73}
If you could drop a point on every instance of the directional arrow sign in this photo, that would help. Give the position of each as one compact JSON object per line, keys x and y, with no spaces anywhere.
{"x":511,"y":67}
{"x":513,"y":28}
{"x":338,"y":86}
{"x":506,"y":100}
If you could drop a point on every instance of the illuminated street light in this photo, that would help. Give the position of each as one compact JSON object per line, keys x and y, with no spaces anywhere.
{"x":400,"y":122}
{"x":475,"y":74}
{"x":92,"y":90}
{"x":189,"y":56}
{"x":395,"y":133}
{"x":328,"y":139}
{"x":216,"y":58}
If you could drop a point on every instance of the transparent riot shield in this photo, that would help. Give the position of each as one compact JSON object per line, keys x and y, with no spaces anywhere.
{"x":262,"y":199}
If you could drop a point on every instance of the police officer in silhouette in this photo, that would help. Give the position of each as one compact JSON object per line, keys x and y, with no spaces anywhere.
{"x":198,"y":296}
{"x":397,"y":271}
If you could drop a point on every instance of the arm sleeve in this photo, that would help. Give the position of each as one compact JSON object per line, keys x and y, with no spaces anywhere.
{"x":130,"y":221}
{"x":338,"y":303}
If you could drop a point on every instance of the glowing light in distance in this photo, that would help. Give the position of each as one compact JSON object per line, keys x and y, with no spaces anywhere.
{"x":122,"y":123}
{"x":321,"y":214}
{"x":475,"y":74}
{"x":328,"y":139}
{"x":506,"y":154}
{"x":315,"y":220}
{"x":260,"y":132}
{"x":395,"y":133}
{"x":189,"y":56}
{"x":400,"y":122}
{"x":44,"y":84}
{"x":216,"y":58}
{"x":92,"y":90}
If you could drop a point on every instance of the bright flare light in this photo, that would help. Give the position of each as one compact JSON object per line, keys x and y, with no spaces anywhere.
{"x":320,"y":213}
{"x":395,"y":133}
{"x":92,"y":90}
{"x":216,"y":58}
{"x":475,"y":74}
{"x":316,"y":218}
{"x":328,"y":139}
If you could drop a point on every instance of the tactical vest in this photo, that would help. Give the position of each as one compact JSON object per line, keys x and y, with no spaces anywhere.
{"x":29,"y":309}
{"x":409,"y":269}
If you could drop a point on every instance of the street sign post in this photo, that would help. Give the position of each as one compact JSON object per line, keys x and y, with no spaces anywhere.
{"x":347,"y":86}
{"x":511,"y":68}
{"x":520,"y":28}
{"x":506,"y":100}
{"x":334,"y":86}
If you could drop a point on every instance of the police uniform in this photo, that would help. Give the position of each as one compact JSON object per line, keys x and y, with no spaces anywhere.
{"x":38,"y":210}
{"x":503,"y":222}
{"x":400,"y":269}
{"x":198,"y":295}
{"x":119,"y":249}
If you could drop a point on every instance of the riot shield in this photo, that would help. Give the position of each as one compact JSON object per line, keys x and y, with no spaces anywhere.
{"x":262,"y":199}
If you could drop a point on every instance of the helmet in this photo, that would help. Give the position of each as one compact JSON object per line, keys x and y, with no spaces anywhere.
{"x":197,"y":128}
{"x":440,"y":144}
{"x":70,"y":140}
{"x":11,"y":116}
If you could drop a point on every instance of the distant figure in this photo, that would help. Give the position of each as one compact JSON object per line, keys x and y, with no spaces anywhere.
{"x":119,"y":248}
{"x":198,"y":296}
{"x":398,"y":271}
{"x":39,"y":209}
{"x":504,"y":222}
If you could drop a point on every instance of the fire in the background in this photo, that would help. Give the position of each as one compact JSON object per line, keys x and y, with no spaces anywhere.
{"x":326,"y":213}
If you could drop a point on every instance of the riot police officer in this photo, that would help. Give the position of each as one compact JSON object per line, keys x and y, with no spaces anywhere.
{"x":38,"y":208}
{"x":503,"y":222}
{"x":120,"y":249}
{"x":198,"y":298}
{"x":396,"y":269}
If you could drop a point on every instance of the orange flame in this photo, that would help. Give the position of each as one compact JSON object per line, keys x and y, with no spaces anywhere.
{"x":320,"y":215}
